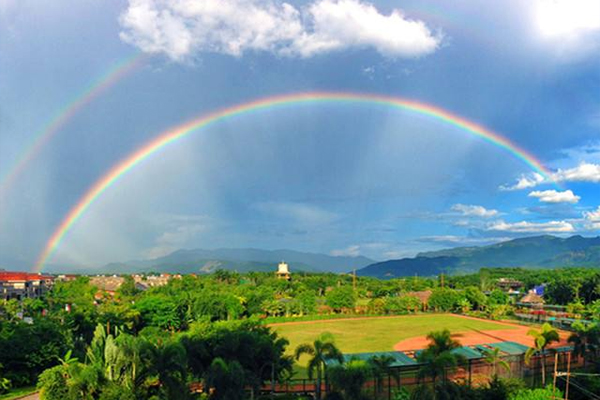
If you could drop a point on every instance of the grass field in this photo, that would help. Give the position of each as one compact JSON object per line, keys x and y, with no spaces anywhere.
{"x":363,"y":335}
{"x":17,"y":393}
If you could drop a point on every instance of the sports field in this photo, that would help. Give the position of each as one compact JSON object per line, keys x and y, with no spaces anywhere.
{"x":360,"y":335}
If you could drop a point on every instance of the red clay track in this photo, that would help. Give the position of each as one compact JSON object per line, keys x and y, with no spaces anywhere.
{"x":517,"y":333}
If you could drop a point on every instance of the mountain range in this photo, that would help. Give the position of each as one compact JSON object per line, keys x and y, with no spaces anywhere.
{"x":532,"y":252}
{"x":240,"y":260}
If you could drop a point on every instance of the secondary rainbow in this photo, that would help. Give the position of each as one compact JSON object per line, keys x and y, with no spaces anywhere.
{"x":181,"y":131}
{"x":65,"y":114}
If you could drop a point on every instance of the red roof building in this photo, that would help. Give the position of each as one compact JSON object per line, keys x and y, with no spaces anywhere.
{"x":20,"y":285}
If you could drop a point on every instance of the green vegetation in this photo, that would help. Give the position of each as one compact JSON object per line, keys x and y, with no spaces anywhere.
{"x":17,"y":393}
{"x":211,"y":333}
{"x":364,"y":335}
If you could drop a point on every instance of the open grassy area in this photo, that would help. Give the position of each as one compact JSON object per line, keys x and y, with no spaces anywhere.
{"x":378,"y":334}
{"x":17,"y":393}
{"x":362,"y":335}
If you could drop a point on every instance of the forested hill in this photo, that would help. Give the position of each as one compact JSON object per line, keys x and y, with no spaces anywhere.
{"x":533,"y":252}
{"x":240,"y":260}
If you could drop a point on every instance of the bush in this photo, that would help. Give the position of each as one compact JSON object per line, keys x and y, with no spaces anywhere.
{"x":537,"y":394}
{"x":443,"y":299}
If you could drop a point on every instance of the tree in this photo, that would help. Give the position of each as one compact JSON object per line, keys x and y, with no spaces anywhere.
{"x":380,"y":365}
{"x":585,"y":339}
{"x":542,"y":339}
{"x":341,"y":298}
{"x":493,"y":358}
{"x":320,"y":351}
{"x":350,"y":377}
{"x":444,"y":299}
{"x":226,"y":378}
{"x":128,"y":288}
{"x":476,"y":297}
{"x":439,"y":357}
{"x":498,"y":297}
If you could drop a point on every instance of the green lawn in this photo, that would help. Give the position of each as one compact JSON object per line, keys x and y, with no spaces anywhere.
{"x":15,"y":393}
{"x":368,"y":335}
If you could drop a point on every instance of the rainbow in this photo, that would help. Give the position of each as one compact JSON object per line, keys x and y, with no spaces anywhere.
{"x":181,"y":131}
{"x":65,"y":114}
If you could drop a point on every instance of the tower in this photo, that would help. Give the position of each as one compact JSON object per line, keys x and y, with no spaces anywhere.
{"x":283,"y":271}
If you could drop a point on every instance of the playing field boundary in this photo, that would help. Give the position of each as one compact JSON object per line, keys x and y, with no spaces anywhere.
{"x":355,"y":318}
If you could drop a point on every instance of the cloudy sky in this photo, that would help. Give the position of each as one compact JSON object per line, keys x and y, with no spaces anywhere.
{"x":336,"y":178}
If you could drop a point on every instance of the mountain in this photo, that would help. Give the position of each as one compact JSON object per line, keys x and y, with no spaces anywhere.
{"x":530,"y":252}
{"x":241,"y":260}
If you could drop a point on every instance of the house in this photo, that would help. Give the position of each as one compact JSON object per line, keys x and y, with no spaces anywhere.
{"x":532,"y":298}
{"x":21,"y":285}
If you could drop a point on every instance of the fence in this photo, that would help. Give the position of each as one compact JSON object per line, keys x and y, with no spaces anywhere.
{"x":474,"y":372}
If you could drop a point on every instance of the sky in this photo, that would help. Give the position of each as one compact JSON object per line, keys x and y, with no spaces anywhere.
{"x":85,"y":84}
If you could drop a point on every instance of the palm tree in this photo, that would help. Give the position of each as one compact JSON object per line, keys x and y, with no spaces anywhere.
{"x":438,"y":358}
{"x":170,"y":365}
{"x":350,"y":377}
{"x":320,"y":351}
{"x":226,"y":378}
{"x":542,"y":339}
{"x":585,"y":339}
{"x":493,"y":357}
{"x":380,"y":365}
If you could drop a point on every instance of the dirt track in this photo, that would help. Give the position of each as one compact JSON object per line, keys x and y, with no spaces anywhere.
{"x":516,"y":333}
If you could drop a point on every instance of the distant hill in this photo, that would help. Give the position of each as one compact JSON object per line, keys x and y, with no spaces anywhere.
{"x":241,"y":260}
{"x":531,"y":252}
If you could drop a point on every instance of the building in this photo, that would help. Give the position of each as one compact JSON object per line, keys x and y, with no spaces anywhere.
{"x":283,"y":271}
{"x":21,"y":285}
{"x":509,"y":284}
{"x":532,"y":299}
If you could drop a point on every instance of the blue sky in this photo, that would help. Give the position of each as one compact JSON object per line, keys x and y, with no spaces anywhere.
{"x":336,"y":179}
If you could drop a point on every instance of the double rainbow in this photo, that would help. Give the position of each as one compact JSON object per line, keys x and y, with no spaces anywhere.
{"x":65,"y":114}
{"x":178,"y":132}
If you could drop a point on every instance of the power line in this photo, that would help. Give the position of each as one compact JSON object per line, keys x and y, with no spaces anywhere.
{"x":583,"y":390}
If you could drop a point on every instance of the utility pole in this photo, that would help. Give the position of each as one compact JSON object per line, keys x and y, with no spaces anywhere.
{"x":442,"y":280}
{"x":568,"y":375}
{"x":555,"y":375}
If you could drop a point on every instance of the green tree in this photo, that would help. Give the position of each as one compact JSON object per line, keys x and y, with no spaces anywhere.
{"x":444,"y":299}
{"x":341,"y":298}
{"x":439,"y":357}
{"x":128,"y":288}
{"x":380,"y":365}
{"x":476,"y":297}
{"x":585,"y":340}
{"x":226,"y":378}
{"x":320,"y":351}
{"x":498,"y":297}
{"x":494,"y":358}
{"x":350,"y":377}
{"x":542,"y":339}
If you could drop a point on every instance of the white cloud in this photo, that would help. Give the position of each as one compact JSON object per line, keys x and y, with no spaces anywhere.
{"x":592,"y":219}
{"x":525,"y":182}
{"x":474,"y":211}
{"x":350,"y":251}
{"x":553,"y":196}
{"x":568,"y":27}
{"x":182,"y":28}
{"x":567,"y":18}
{"x":584,"y":172}
{"x":532,"y":227}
